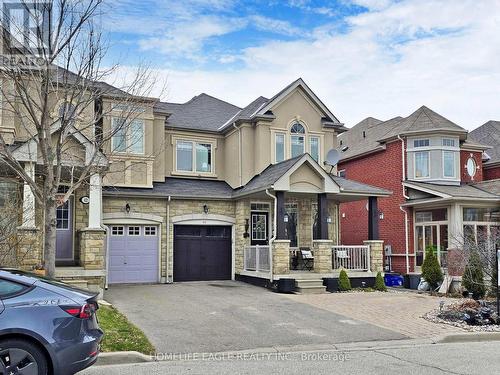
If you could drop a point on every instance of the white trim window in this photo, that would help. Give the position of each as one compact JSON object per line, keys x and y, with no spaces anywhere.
{"x":117,"y":230}
{"x":127,"y":138}
{"x":297,"y":140}
{"x":194,"y":156}
{"x":449,"y":164}
{"x":134,"y":230}
{"x":314,"y":147}
{"x":422,"y":167}
{"x":279,"y":147}
{"x":421,"y":143}
{"x":448,"y":142}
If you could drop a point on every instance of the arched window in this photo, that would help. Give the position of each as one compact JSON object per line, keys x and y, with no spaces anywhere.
{"x":297,"y":139}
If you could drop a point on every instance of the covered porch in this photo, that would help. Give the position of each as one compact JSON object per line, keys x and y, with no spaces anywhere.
{"x":292,"y":226}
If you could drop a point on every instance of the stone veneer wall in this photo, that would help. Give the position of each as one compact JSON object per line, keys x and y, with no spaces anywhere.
{"x":92,"y":242}
{"x":81,"y":218}
{"x":376,"y":255}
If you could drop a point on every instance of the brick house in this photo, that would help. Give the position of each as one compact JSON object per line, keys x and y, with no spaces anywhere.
{"x":436,"y":172}
{"x":489,"y":134}
{"x":212,"y":191}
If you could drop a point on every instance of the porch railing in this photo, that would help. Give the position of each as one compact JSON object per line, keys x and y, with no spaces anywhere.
{"x":257,"y":258}
{"x":354,"y":258}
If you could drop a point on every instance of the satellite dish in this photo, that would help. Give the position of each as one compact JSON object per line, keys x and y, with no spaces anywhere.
{"x":332,"y":158}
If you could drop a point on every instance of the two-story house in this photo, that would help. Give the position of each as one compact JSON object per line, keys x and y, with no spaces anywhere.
{"x":205,"y":190}
{"x":489,"y":134}
{"x":435,"y":171}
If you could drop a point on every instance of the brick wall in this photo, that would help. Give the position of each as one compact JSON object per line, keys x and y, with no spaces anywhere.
{"x":491,"y":173}
{"x":464,"y":156}
{"x":382,"y":169}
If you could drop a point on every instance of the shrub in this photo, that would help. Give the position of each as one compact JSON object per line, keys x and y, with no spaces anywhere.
{"x":379,"y":283}
{"x":431,"y":270}
{"x":473,"y":279}
{"x":344,"y":282}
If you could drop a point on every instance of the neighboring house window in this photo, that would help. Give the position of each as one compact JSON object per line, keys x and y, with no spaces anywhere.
{"x":297,"y":138}
{"x":314,"y":147}
{"x":280,"y":147}
{"x":421,"y":164}
{"x":341,"y":173}
{"x":194,"y":157}
{"x":448,"y":142}
{"x":421,"y":143}
{"x":449,"y":164}
{"x":127,"y":137}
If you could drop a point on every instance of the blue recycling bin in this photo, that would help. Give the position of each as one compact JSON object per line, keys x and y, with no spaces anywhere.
{"x":394,"y":280}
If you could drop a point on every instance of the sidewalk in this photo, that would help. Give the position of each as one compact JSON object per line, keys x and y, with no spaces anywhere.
{"x":398,"y":311}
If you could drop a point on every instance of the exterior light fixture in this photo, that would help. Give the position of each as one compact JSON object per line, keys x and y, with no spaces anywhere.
{"x":381,"y":215}
{"x":329,"y":219}
{"x":285,"y":218}
{"x":205,"y":209}
{"x":127,"y":208}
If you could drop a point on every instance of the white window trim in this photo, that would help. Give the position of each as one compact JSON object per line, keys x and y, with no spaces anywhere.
{"x":133,"y":235}
{"x":319,"y":146}
{"x":117,"y":226}
{"x":194,"y":142}
{"x":128,"y":137}
{"x":428,"y":165}
{"x":454,"y":165}
{"x":421,"y":139}
{"x":257,"y":213}
{"x":283,"y":134}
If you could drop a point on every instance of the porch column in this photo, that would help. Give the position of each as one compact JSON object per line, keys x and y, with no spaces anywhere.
{"x":323,"y":217}
{"x":373,"y":218}
{"x":280,"y":215}
{"x":29,"y":199}
{"x":95,"y":204}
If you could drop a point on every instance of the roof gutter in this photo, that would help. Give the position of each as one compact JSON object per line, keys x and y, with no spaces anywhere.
{"x":403,"y":170}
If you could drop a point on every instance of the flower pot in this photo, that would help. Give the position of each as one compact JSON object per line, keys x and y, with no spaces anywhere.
{"x":40,"y":272}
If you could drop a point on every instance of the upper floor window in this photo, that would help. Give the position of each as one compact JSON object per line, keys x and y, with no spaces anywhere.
{"x":471,"y":167}
{"x":341,"y":173}
{"x":193,"y":156}
{"x":421,"y":143}
{"x":297,"y":138}
{"x":314,"y":147}
{"x":449,"y":164}
{"x":127,"y":137}
{"x":280,"y":147}
{"x":422,"y":164}
{"x":447,"y":142}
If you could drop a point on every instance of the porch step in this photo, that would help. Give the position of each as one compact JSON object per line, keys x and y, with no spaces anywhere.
{"x":310,"y":286}
{"x":77,"y":283}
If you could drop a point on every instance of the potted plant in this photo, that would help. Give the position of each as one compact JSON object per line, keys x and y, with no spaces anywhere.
{"x":39,"y":269}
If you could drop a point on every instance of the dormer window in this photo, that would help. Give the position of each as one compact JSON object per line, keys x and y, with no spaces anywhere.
{"x":297,"y":138}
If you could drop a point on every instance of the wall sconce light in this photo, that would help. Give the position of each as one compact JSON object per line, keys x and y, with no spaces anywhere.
{"x":205,"y":209}
{"x":247,"y":225}
{"x":329,"y":219}
{"x":285,"y":218}
{"x":127,"y":208}
{"x":381,"y":215}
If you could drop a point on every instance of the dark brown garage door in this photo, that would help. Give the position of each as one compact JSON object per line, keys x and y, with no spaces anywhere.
{"x":202,"y":253}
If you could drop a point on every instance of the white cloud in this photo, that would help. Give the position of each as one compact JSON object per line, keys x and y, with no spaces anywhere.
{"x":390,"y":62}
{"x":275,"y":25}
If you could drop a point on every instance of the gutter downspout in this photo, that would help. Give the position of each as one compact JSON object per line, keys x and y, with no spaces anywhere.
{"x":240,"y":155}
{"x":273,"y":237}
{"x":167,"y":281}
{"x":407,"y":256}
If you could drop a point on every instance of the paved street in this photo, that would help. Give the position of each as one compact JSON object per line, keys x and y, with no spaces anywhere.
{"x":399,"y":311}
{"x":437,"y":359}
{"x":222,"y":316}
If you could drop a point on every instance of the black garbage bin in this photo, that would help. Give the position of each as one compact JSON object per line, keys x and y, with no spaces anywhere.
{"x":286,"y":285}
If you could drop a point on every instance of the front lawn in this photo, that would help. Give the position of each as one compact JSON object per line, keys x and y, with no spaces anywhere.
{"x":120,"y":334}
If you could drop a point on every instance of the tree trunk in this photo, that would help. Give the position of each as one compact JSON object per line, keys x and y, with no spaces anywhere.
{"x":49,"y":245}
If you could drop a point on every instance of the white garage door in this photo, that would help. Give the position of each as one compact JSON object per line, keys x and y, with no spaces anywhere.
{"x":133,"y":254}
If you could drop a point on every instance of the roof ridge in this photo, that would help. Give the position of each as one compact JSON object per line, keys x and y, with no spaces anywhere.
{"x":213,"y":97}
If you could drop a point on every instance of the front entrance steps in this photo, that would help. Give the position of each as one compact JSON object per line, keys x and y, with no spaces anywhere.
{"x":309,"y":286}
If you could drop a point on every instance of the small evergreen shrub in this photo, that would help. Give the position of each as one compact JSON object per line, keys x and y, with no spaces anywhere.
{"x":473,"y":278}
{"x":344,"y":282}
{"x":379,"y":283}
{"x":431,"y":270}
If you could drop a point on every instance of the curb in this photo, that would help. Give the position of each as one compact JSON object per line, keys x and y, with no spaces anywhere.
{"x":121,"y":358}
{"x":470,"y":337}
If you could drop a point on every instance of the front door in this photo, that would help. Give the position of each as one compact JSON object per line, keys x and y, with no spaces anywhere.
{"x":259,"y":228}
{"x":64,"y":231}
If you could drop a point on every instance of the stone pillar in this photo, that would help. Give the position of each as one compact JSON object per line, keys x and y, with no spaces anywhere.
{"x":281,"y":257}
{"x":376,"y":255}
{"x":29,"y":199}
{"x":29,"y":248}
{"x":95,"y":204}
{"x":322,"y":256}
{"x":92,"y":254}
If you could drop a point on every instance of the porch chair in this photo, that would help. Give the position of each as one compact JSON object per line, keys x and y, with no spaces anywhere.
{"x":306,"y":259}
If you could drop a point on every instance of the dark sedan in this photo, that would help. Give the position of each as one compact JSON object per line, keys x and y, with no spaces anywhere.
{"x":46,"y":327}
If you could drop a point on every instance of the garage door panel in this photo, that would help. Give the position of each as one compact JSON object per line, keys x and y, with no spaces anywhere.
{"x":202,"y":253}
{"x":133,"y":256}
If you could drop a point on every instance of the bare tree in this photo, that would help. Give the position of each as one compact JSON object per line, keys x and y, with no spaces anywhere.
{"x":57,"y":97}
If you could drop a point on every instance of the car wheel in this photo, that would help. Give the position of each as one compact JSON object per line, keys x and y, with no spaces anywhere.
{"x":21,"y":357}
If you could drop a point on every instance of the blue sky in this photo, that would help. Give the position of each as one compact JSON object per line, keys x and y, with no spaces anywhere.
{"x":363,"y":58}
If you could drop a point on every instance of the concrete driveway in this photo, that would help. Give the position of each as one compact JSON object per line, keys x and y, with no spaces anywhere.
{"x":221,"y":316}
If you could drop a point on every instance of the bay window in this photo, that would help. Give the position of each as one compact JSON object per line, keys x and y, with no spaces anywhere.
{"x":193,"y":156}
{"x":449,"y":164}
{"x":127,"y":137}
{"x":422,"y":164}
